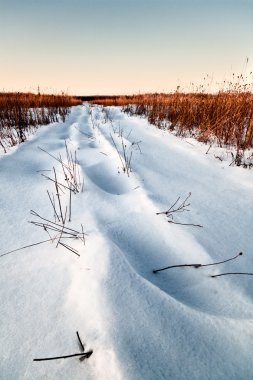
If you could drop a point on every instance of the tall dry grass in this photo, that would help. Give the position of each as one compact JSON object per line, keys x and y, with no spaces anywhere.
{"x":21,"y":113}
{"x":225,"y":117}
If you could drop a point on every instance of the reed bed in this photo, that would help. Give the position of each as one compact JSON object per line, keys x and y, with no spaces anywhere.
{"x":22,"y":113}
{"x":224,"y":118}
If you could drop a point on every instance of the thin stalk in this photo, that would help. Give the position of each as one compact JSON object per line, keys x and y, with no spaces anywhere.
{"x":222,"y":262}
{"x":185,"y":224}
{"x":83,"y":235}
{"x":59,"y":184}
{"x":53,"y":228}
{"x":70,"y":248}
{"x":118,"y":152}
{"x":84,"y":354}
{"x":51,"y":155}
{"x":70,"y":205}
{"x":198,"y":265}
{"x":62,"y":229}
{"x":228,"y":273}
{"x":80,"y":342}
{"x":58,"y":196}
{"x":27,"y":246}
{"x":47,"y":220}
{"x":53,"y":205}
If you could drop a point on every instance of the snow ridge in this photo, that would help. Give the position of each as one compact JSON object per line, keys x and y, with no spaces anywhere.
{"x":176,"y":324}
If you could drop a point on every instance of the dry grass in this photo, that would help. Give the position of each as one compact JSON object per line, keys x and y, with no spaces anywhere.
{"x":225,"y":118}
{"x":21,"y":113}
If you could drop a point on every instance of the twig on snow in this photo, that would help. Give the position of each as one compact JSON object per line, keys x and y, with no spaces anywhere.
{"x":27,"y":246}
{"x":83,"y":355}
{"x":178,"y":208}
{"x":198,"y":265}
{"x":228,"y":273}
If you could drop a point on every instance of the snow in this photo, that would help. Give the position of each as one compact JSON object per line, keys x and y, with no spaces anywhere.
{"x":175,"y":324}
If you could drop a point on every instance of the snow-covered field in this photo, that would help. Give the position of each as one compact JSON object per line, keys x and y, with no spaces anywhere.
{"x":175,"y":324}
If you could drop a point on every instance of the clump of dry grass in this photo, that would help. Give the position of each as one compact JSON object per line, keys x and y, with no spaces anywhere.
{"x":21,"y":113}
{"x":224,"y":118}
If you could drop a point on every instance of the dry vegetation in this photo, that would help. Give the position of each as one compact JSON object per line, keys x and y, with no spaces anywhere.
{"x":21,"y":113}
{"x":224,"y":118}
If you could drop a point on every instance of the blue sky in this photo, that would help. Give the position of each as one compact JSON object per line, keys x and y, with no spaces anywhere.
{"x":122,"y":46}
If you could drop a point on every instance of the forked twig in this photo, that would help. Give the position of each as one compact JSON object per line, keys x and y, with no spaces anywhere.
{"x":178,"y":208}
{"x":83,"y":355}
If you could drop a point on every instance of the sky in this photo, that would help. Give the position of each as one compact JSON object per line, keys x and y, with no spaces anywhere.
{"x":88,"y":47}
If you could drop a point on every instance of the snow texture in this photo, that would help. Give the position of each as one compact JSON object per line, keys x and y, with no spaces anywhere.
{"x":176,"y":324}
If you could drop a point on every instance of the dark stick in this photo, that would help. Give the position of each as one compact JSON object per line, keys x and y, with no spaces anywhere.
{"x":80,"y":342}
{"x":208,"y":149}
{"x":198,"y":265}
{"x":84,"y":354}
{"x":221,"y":262}
{"x":171,"y":207}
{"x":225,"y":274}
{"x":178,"y":266}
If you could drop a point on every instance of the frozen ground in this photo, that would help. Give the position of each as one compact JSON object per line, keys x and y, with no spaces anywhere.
{"x":176,"y":324}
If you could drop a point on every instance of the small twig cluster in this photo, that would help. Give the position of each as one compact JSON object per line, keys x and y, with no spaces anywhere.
{"x":178,"y":208}
{"x":82,"y":355}
{"x":125,"y":156}
{"x":56,"y":229}
{"x":60,"y":231}
{"x":72,"y":184}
